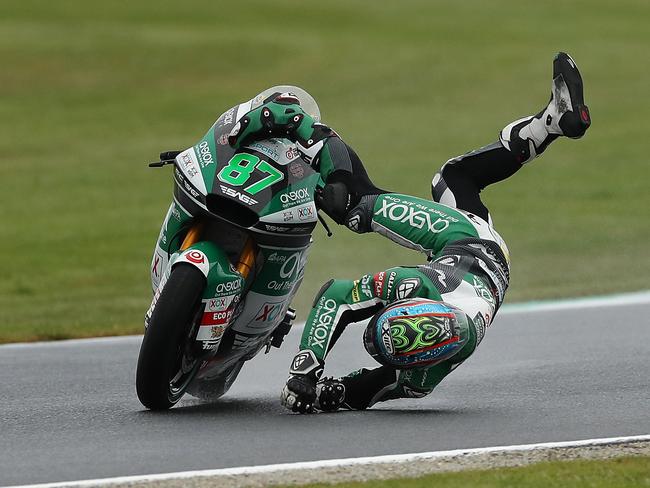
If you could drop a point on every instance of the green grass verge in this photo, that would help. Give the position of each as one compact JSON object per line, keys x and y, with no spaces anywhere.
{"x":90,"y":92}
{"x":628,"y":472}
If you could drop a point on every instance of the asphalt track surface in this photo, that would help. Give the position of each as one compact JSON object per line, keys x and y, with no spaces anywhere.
{"x":69,"y":409}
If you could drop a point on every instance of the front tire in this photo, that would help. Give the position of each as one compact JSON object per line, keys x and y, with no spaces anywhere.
{"x":166,"y":365}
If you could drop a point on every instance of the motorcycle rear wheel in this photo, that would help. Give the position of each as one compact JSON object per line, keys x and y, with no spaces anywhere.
{"x":166,"y":365}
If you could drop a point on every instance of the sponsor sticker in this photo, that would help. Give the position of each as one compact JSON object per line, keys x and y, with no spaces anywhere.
{"x":266,"y":149}
{"x":365,"y":287}
{"x":355,"y":292}
{"x":176,"y":213}
{"x":229,"y":286}
{"x":155,"y":268}
{"x":391,"y":282}
{"x":238,"y":195}
{"x":205,"y":156}
{"x":275,"y":228}
{"x":196,"y":257}
{"x":210,"y":335}
{"x":219,"y":304}
{"x":379,"y":283}
{"x":386,"y":337}
{"x":269,"y":312}
{"x":188,"y":171}
{"x":295,"y":197}
{"x":228,"y":116}
{"x":216,"y":332}
{"x":414,"y":214}
{"x":296,"y":169}
{"x":287,"y":267}
{"x":322,"y":326}
{"x":216,"y":318}
{"x":306,"y":213}
{"x":186,"y":186}
{"x":274,"y":257}
{"x":280,"y":286}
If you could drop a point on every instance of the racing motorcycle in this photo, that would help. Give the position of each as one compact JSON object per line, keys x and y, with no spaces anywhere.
{"x":229,"y":259}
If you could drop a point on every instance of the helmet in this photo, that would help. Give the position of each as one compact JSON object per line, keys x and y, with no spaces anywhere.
{"x":416,"y":332}
{"x":307,"y":102}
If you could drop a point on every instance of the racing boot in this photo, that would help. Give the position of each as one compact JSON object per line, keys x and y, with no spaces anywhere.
{"x":565,"y":115}
{"x":330,"y":395}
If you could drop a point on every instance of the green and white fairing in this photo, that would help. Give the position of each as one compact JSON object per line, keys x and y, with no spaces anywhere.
{"x":264,"y":191}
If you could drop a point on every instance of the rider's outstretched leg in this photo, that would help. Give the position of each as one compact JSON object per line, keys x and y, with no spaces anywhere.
{"x":460,"y":180}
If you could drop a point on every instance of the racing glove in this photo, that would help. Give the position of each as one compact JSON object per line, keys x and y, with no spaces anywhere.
{"x":299,"y":394}
{"x":330,"y":395}
{"x":281,"y":117}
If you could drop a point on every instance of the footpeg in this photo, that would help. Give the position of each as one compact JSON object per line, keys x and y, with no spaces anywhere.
{"x":277,"y":338}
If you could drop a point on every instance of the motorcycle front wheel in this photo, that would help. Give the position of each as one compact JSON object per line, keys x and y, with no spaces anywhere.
{"x":166,"y":365}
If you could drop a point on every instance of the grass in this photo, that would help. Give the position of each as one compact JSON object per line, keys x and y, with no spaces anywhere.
{"x":90,"y":92}
{"x":626,"y":472}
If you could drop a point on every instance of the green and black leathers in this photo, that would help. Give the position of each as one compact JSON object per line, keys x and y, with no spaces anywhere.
{"x":468,"y":262}
{"x":468,"y":269}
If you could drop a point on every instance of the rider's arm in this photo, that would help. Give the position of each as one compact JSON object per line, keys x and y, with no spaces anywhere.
{"x":412,"y":222}
{"x":346,"y":180}
{"x":337,"y":304}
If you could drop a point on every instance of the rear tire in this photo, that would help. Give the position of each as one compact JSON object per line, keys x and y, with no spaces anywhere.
{"x":166,"y":365}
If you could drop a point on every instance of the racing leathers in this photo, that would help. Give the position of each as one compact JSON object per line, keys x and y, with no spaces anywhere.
{"x":468,"y":263}
{"x":468,"y":268}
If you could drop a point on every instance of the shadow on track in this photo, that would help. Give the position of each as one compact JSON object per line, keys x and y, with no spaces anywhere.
{"x":270,"y":407}
{"x":237,"y":406}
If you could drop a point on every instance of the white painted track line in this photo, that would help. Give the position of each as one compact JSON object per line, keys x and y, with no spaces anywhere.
{"x":623,"y":299}
{"x":337,"y":463}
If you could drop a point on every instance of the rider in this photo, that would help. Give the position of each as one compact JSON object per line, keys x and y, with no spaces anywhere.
{"x":427,"y":319}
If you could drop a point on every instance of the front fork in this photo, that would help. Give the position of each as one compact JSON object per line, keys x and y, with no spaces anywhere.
{"x":215,"y":318}
{"x":176,"y":220}
{"x":225,"y":284}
